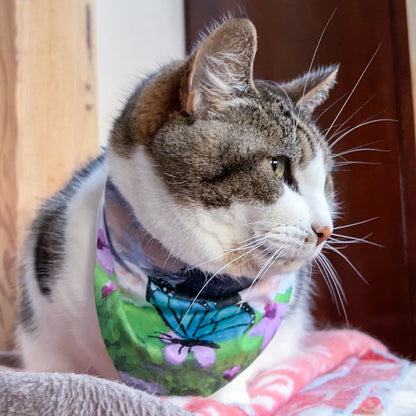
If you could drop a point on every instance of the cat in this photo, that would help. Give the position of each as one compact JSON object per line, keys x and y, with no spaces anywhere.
{"x":229,"y":174}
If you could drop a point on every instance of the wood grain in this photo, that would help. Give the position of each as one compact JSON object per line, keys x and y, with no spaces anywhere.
{"x":411,"y":26}
{"x":55,"y":96}
{"x":49,"y":123}
{"x":8,"y":180}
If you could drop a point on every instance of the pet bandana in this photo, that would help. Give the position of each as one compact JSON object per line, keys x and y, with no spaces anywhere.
{"x":170,"y":328}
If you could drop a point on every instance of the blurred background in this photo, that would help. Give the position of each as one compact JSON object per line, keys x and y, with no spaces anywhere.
{"x":67,"y":68}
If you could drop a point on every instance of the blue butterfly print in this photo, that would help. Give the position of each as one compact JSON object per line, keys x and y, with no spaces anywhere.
{"x":203,"y":322}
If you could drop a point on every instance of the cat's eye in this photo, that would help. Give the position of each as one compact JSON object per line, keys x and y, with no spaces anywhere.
{"x":278,"y":165}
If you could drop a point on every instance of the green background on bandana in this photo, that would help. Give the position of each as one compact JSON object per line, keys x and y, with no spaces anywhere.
{"x":131,"y":335}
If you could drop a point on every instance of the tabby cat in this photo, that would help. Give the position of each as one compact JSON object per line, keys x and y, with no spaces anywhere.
{"x":227,"y":176}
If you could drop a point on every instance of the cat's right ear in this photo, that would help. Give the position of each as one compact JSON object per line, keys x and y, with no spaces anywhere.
{"x":222,"y":67}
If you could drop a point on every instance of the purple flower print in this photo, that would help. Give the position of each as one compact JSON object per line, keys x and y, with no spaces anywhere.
{"x":178,"y":349}
{"x":103,"y":254}
{"x":108,"y":288}
{"x":230,"y":373}
{"x":269,"y":324}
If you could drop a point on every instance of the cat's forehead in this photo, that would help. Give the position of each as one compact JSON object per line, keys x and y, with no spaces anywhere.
{"x":228,"y":157}
{"x":272,"y":124}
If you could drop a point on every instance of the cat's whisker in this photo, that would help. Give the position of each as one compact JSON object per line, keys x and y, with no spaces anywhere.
{"x":323,"y":131}
{"x":353,"y":162}
{"x":223,"y":253}
{"x":334,"y":278}
{"x":312,"y":62}
{"x":211,"y":278}
{"x":335,"y":135}
{"x":265,"y":268}
{"x":345,"y":243}
{"x":352,"y":237}
{"x":329,"y":107}
{"x":338,"y":241}
{"x":377,"y":120}
{"x":353,"y":90}
{"x":327,"y":280}
{"x":350,"y":117}
{"x":341,"y":131}
{"x":339,"y":237}
{"x":348,"y":261}
{"x":340,"y":247}
{"x":355,"y":223}
{"x":359,"y":149}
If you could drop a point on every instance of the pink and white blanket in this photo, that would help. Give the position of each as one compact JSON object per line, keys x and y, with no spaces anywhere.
{"x":340,"y":372}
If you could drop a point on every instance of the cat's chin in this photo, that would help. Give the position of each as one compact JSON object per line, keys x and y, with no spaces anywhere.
{"x":260,"y":271}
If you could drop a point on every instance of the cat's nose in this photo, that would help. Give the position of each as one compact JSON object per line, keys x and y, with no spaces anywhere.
{"x":323,"y":232}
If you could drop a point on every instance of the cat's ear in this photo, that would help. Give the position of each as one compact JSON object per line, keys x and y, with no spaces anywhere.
{"x":311,"y":89}
{"x":222,"y":67}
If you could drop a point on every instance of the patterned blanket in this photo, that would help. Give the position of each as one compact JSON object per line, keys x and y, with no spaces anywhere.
{"x":340,"y":372}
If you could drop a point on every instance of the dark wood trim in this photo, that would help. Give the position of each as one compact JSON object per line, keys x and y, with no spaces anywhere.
{"x":407,"y":147}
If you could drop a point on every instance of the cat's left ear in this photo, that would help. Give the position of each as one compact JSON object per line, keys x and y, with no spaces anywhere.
{"x":311,"y":89}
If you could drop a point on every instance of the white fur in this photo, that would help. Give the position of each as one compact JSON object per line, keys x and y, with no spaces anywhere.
{"x":67,"y":322}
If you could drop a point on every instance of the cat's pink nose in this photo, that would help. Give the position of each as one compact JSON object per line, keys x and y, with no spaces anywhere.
{"x":323,"y":232}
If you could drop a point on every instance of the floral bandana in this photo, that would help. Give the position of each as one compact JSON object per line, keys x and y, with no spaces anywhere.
{"x":171,"y":328}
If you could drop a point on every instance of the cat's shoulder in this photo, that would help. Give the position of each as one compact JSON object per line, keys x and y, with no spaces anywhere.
{"x":48,"y":232}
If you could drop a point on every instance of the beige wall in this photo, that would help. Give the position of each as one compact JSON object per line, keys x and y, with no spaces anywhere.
{"x":133,"y":38}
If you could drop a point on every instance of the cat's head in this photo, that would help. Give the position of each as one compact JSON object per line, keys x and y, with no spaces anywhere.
{"x":230,"y":173}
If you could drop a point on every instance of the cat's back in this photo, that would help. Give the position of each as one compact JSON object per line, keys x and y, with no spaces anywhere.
{"x":47,"y":241}
{"x":57,"y":258}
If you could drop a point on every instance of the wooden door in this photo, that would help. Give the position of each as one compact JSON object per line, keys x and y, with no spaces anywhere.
{"x":369,"y":39}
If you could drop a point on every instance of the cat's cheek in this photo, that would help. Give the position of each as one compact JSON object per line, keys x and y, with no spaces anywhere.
{"x":289,"y":210}
{"x":312,"y":182}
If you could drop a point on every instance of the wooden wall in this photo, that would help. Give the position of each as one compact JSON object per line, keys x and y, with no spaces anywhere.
{"x":411,"y":24}
{"x":47,"y":118}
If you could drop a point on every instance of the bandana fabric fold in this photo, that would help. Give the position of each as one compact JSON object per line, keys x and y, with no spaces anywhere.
{"x":170,"y":328}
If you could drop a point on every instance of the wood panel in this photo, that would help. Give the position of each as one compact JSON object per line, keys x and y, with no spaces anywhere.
{"x":411,"y":25}
{"x":55,"y":94}
{"x":49,"y":117}
{"x":8,"y":180}
{"x":383,"y":187}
